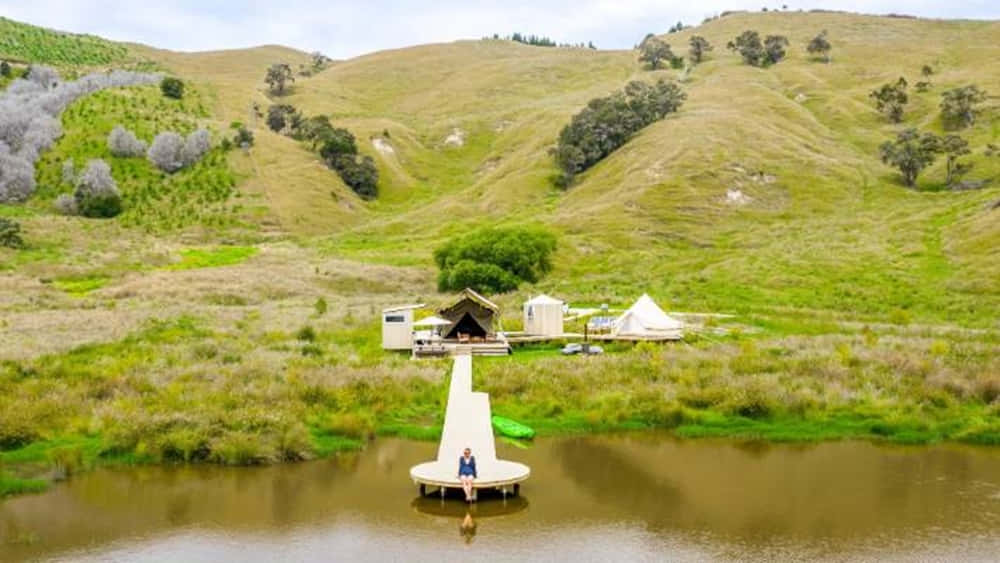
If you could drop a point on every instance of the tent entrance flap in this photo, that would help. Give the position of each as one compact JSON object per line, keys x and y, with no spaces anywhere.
{"x":467,"y":325}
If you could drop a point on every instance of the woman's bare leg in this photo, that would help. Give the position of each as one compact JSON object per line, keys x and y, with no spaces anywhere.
{"x":467,"y":487}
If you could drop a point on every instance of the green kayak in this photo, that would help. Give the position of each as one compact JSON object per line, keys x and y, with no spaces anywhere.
{"x":512,"y":428}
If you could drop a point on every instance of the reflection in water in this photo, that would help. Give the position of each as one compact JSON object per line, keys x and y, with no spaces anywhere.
{"x":596,"y":498}
{"x":487,"y":508}
{"x":468,"y":528}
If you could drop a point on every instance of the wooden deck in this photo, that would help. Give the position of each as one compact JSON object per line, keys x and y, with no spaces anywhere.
{"x":454,"y":347}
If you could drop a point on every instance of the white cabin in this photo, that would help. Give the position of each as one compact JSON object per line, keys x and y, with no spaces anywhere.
{"x":543,"y":316}
{"x":397,"y":327}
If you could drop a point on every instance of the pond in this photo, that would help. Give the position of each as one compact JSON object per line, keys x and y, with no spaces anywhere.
{"x":595,"y":498}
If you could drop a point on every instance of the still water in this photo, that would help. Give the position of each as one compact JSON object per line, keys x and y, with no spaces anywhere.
{"x":606,"y":498}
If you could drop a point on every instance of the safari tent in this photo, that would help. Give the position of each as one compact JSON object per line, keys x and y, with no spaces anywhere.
{"x":473,"y":317}
{"x":646,"y":320}
{"x":543,"y":316}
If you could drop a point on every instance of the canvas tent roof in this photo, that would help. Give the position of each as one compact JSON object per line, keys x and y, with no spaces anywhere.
{"x":645,"y":316}
{"x":543,"y":300}
{"x":471,"y":314}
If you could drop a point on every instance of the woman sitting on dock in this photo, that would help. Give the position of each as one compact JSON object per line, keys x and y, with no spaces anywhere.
{"x":467,"y":472}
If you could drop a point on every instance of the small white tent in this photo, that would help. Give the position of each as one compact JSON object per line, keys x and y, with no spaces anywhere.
{"x":543,"y":316}
{"x":645,"y":319}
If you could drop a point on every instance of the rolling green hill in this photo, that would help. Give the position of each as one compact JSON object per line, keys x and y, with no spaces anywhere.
{"x":857,"y":307}
{"x":30,"y":44}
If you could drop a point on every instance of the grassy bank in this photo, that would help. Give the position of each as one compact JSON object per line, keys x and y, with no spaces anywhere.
{"x":179,"y":391}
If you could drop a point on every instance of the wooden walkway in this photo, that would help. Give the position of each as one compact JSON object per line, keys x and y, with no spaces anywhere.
{"x":467,"y":424}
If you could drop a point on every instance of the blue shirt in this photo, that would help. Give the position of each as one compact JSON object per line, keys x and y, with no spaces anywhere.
{"x":467,"y":468}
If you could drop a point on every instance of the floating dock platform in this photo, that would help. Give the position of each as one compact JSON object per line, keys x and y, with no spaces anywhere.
{"x":467,"y":424}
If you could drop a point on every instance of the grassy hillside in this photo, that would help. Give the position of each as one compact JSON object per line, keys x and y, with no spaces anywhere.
{"x":860,"y":308}
{"x":799,"y":140}
{"x":27,"y":43}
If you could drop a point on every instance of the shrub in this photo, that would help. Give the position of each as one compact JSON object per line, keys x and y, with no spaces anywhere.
{"x":774,"y":49}
{"x":654,"y":51}
{"x":911,"y":152}
{"x":172,"y":87}
{"x":280,"y":116}
{"x":96,"y":192}
{"x":243,"y":138}
{"x":320,"y":307}
{"x":699,"y":47}
{"x":749,"y":46}
{"x":44,"y":76}
{"x":820,"y":46}
{"x":486,"y":278}
{"x":170,"y":152}
{"x":124,"y":143}
{"x":495,"y":260}
{"x":608,"y":123}
{"x":10,"y":234}
{"x":306,"y":334}
{"x":890,"y":99}
{"x":278,"y":75}
{"x":65,"y":204}
{"x":195,"y":146}
{"x":28,"y":120}
{"x":959,"y":106}
{"x":165,"y":152}
{"x":17,"y":176}
{"x":358,"y":173}
{"x":5,"y":70}
{"x":337,"y":142}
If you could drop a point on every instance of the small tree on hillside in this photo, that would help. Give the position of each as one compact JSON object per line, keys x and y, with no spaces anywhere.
{"x":958,"y":106}
{"x":337,"y":142}
{"x":749,"y":46}
{"x":926,"y":71}
{"x":278,"y":76}
{"x":319,"y":60}
{"x":819,"y":46}
{"x":172,"y":87}
{"x":654,"y":51}
{"x":699,"y":48}
{"x":911,"y":152}
{"x":774,"y":49}
{"x":5,"y":70}
{"x":890,"y":99}
{"x":360,"y":174}
{"x":955,"y":147}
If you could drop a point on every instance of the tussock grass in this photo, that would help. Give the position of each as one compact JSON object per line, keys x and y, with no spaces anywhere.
{"x":210,"y":258}
{"x":16,"y":486}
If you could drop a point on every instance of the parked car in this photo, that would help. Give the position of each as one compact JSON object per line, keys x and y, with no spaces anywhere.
{"x":577,"y":348}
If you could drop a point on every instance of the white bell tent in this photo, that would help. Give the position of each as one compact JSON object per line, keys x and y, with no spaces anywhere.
{"x":645,"y":319}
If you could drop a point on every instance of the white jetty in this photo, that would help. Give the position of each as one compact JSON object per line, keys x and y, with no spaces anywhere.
{"x":467,"y":424}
